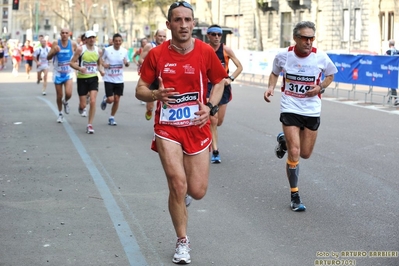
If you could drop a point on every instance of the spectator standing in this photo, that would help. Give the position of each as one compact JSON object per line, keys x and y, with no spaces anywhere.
{"x":392,"y":51}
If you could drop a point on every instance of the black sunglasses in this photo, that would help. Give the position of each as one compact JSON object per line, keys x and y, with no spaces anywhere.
{"x":180,"y":3}
{"x":214,"y":34}
{"x":306,"y":38}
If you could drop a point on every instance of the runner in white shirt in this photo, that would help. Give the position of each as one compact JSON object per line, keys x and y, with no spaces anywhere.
{"x":42,"y":64}
{"x":114,"y":58}
{"x":302,"y":66}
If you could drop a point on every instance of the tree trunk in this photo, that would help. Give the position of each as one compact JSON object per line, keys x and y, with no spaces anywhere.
{"x":111,"y":7}
{"x":258,"y":27}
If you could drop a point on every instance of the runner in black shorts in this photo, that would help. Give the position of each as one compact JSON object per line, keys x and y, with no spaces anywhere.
{"x":27,"y":52}
{"x":87,"y":60}
{"x":1,"y":54}
{"x":114,"y":59}
{"x":225,"y":54}
{"x":300,"y":102}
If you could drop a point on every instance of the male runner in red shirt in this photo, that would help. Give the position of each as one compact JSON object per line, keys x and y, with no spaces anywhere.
{"x":27,"y":52}
{"x":182,"y":128}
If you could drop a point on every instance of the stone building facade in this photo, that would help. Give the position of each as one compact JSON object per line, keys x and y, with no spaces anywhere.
{"x":344,"y":25}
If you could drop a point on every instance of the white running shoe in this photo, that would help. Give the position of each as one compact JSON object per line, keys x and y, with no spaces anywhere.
{"x":60,"y":118}
{"x":89,"y":129}
{"x":66,"y":106}
{"x":112,"y":122}
{"x":188,"y":200}
{"x":84,"y":113}
{"x":44,"y":93}
{"x":182,"y":255}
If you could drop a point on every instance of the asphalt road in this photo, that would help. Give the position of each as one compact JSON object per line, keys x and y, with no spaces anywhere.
{"x":70,"y":198}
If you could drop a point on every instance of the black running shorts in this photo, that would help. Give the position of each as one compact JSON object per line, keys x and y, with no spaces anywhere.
{"x":112,"y":89}
{"x":87,"y":84}
{"x":290,"y":119}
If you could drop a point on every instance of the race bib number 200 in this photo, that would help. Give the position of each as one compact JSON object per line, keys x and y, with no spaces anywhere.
{"x":181,"y":112}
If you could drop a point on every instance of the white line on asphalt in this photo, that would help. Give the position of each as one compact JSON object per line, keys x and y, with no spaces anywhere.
{"x":122,"y":228}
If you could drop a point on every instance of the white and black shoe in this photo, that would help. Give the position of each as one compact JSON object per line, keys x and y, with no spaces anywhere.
{"x":182,"y":251}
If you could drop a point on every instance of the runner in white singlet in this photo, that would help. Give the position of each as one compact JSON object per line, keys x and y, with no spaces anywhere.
{"x":302,"y":66}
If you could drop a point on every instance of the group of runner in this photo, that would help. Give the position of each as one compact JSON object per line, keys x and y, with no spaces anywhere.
{"x":88,"y":60}
{"x":187,"y":116}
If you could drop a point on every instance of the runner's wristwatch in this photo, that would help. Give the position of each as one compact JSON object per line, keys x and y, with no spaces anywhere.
{"x":322,"y":89}
{"x":214,"y":109}
{"x":231,"y":77}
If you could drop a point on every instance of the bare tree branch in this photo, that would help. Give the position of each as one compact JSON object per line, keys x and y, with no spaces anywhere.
{"x":61,"y":16}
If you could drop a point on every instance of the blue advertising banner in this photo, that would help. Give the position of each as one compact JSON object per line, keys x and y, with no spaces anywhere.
{"x":373,"y":70}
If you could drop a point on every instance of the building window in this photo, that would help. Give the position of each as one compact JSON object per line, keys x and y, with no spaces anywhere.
{"x":286,"y":29}
{"x":5,"y":2}
{"x":345,"y":25}
{"x":358,"y":25}
{"x":300,"y":15}
{"x":5,"y":13}
{"x":390,"y":25}
{"x":270,"y":25}
{"x":5,"y":27}
{"x":382,"y":25}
